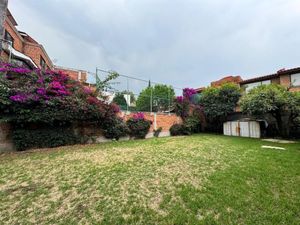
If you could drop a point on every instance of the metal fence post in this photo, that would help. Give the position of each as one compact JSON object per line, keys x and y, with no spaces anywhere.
{"x":169,"y":101}
{"x":151,"y":100}
{"x":127,"y":100}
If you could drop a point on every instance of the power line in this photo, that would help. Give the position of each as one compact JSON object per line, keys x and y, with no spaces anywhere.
{"x":132,"y":77}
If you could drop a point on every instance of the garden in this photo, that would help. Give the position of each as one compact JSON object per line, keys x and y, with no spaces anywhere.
{"x":190,"y":178}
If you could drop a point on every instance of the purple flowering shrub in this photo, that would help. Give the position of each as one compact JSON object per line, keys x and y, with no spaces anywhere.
{"x":138,"y":126}
{"x":188,"y":93}
{"x":138,"y":116}
{"x":37,"y":96}
{"x":190,"y":112}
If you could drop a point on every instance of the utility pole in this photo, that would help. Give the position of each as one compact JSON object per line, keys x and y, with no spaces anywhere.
{"x":3,"y":8}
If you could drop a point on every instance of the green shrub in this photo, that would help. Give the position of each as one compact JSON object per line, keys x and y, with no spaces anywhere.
{"x":115,"y":129}
{"x":193,"y":124}
{"x":157,"y":132}
{"x":138,"y":126}
{"x":43,"y":138}
{"x":180,"y":129}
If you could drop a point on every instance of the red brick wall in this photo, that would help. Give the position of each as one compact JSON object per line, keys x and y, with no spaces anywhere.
{"x":229,"y":79}
{"x":294,"y":89}
{"x":74,"y":74}
{"x":34,"y":51}
{"x":162,"y":120}
{"x":18,"y":41}
{"x":285,"y":80}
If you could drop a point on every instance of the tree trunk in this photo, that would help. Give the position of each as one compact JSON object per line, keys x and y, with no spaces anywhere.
{"x":3,"y":8}
{"x":283,"y":125}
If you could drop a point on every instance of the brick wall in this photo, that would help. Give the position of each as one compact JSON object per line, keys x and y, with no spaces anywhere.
{"x":79,"y":75}
{"x":35,"y":51}
{"x":285,"y":80}
{"x":229,"y":79}
{"x":18,"y":40}
{"x":294,"y":89}
{"x":162,"y":120}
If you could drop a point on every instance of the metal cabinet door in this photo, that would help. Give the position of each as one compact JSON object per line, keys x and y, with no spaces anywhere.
{"x":244,"y":128}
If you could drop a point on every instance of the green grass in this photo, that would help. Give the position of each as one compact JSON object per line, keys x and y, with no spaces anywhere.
{"x":201,"y":179}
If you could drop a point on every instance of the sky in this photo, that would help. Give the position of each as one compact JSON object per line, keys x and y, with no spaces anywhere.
{"x":184,"y":43}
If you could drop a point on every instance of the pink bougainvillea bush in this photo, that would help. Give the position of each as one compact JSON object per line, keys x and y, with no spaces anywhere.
{"x":50,"y":101}
{"x":187,"y":107}
{"x":47,"y":96}
{"x":138,"y":125}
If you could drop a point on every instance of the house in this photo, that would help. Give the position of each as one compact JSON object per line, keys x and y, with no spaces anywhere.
{"x":227,"y":79}
{"x":80,"y":75}
{"x":289,"y":78}
{"x":20,"y":48}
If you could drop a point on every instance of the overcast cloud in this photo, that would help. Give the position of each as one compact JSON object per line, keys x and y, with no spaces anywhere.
{"x":186,"y":43}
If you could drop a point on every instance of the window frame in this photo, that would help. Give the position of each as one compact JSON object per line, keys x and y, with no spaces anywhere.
{"x":43,"y":63}
{"x":297,"y":84}
{"x":9,"y":37}
{"x":257,"y":84}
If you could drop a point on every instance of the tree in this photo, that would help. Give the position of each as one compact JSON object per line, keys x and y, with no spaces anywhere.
{"x":3,"y":7}
{"x":219,"y":102}
{"x":120,"y":100}
{"x":106,"y":83}
{"x":162,"y":97}
{"x":274,"y":100}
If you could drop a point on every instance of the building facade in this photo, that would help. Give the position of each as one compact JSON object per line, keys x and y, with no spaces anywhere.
{"x":20,"y":48}
{"x":289,"y":78}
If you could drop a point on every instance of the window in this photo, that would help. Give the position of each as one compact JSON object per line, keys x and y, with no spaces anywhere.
{"x":8,"y":37}
{"x":256,"y":84}
{"x":43,"y":63}
{"x":295,"y":79}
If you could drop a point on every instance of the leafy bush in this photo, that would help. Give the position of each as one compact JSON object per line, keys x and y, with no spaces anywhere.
{"x":182,"y":107}
{"x":193,"y":123}
{"x":180,"y":129}
{"x":218,"y":103}
{"x":53,"y":99}
{"x":276,"y":101}
{"x":115,"y":129}
{"x":47,"y":97}
{"x":157,"y":132}
{"x":138,"y":126}
{"x":43,"y":138}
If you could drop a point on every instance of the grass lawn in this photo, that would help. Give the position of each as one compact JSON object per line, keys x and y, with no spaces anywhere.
{"x":201,"y":179}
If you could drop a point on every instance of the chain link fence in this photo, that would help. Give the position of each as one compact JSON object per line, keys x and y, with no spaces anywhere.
{"x":135,"y":94}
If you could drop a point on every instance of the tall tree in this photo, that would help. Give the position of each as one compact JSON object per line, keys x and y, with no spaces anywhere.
{"x":218,"y":103}
{"x":3,"y":8}
{"x":161,"y":96}
{"x":273,"y":100}
{"x":120,"y":100}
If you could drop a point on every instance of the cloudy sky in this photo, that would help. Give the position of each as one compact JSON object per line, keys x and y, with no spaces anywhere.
{"x":185,"y":43}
